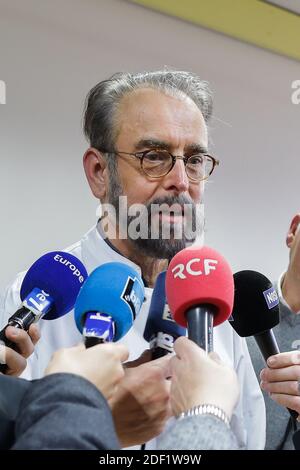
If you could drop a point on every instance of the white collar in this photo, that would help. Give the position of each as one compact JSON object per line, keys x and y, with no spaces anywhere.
{"x":96,"y":251}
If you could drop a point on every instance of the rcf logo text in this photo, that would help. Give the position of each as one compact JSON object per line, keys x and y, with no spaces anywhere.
{"x":194,"y":267}
{"x":2,"y":92}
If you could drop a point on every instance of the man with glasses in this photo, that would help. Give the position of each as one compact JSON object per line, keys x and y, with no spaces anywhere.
{"x":158,"y":162}
{"x":148,"y":145}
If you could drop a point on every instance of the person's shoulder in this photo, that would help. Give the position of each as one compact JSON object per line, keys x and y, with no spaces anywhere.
{"x":11,"y":296}
{"x":15,"y":284}
{"x":74,"y":249}
{"x":78,"y":247}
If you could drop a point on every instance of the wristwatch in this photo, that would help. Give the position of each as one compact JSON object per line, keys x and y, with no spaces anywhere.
{"x":206,"y":409}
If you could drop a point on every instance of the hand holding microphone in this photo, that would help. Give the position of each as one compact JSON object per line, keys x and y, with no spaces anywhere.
{"x":105,"y":309}
{"x":255,"y":313}
{"x":101,"y":365}
{"x":141,"y":406}
{"x":49,"y":290}
{"x":12,"y":362}
{"x":199,"y":379}
{"x":63,"y":410}
{"x":281,"y":379}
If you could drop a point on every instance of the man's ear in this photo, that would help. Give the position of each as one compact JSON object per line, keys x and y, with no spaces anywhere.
{"x":292,"y":230}
{"x":95,"y":168}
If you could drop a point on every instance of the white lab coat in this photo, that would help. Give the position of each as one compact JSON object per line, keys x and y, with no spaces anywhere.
{"x":248,"y":421}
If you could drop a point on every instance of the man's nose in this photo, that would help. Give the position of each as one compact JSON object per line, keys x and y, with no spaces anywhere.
{"x":177,"y":178}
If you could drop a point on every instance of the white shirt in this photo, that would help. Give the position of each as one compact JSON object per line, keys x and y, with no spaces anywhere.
{"x":248,"y":420}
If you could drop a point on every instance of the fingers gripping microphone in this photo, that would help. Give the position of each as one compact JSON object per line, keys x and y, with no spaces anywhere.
{"x":108,"y":303}
{"x":199,"y":287}
{"x":256,"y":312}
{"x":161,"y":330}
{"x":49,"y":290}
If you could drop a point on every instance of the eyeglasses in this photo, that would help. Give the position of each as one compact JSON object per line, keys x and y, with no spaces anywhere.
{"x":158,"y":163}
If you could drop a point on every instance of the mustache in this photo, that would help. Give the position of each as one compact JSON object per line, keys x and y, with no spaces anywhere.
{"x":177,"y":203}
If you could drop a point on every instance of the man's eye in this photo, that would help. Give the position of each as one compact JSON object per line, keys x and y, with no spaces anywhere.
{"x":156,"y":157}
{"x":196,"y":160}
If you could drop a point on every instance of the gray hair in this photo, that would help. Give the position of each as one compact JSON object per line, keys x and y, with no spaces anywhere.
{"x":102,"y":101}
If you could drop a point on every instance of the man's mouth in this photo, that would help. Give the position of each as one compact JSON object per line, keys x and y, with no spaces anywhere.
{"x":172,"y":217}
{"x":171,"y":213}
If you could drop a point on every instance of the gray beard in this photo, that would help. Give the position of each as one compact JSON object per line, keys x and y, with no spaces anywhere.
{"x":158,"y":248}
{"x":162,"y":247}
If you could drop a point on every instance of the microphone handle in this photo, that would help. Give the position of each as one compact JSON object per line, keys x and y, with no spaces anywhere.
{"x":90,"y":341}
{"x":158,"y":352}
{"x":161,"y":344}
{"x":22,"y":319}
{"x":268,"y":346}
{"x":200,"y":325}
{"x":97,"y":330}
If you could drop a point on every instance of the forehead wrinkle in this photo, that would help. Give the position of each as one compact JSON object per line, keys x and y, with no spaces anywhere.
{"x":155,"y":119}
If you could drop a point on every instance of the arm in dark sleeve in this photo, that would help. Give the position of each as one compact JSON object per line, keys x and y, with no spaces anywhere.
{"x":12,"y":391}
{"x":296,"y":439}
{"x":203,"y":432}
{"x":64,"y":411}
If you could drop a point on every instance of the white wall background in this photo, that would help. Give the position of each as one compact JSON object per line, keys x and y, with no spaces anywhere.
{"x":53,"y":52}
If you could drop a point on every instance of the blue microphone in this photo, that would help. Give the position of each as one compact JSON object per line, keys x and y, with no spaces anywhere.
{"x":108,"y":303}
{"x":49,"y":290}
{"x":161,"y":330}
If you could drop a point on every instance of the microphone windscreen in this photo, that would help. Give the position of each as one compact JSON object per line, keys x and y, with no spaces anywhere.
{"x":59,"y":274}
{"x":159,"y":318}
{"x":197,"y":276}
{"x":256,"y":304}
{"x":115,"y":289}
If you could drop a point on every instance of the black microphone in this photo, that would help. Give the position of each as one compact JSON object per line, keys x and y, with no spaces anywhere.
{"x":256,"y":312}
{"x":161,"y":331}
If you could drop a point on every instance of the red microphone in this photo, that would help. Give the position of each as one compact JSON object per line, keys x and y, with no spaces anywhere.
{"x":200,"y":292}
